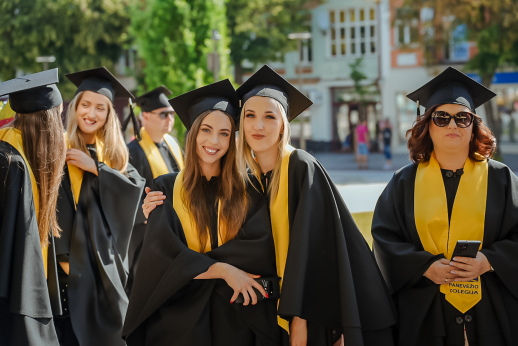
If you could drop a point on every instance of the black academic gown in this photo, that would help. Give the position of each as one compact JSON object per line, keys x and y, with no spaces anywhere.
{"x":139,"y":160}
{"x":168,"y":307}
{"x":27,"y":300}
{"x":424,"y":316}
{"x":331,"y":277}
{"x":95,"y":239}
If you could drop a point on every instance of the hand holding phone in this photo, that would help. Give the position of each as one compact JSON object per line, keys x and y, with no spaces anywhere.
{"x":466,"y":248}
{"x":467,"y":262}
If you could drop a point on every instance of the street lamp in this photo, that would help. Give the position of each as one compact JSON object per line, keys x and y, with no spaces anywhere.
{"x":299,"y":36}
{"x":213,"y":61}
{"x":45,"y":60}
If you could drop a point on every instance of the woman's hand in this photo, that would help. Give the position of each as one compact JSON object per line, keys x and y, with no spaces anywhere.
{"x":152,"y":200}
{"x":467,"y":269}
{"x":440,"y":272}
{"x":298,"y":332}
{"x":82,"y":160}
{"x":238,"y":280}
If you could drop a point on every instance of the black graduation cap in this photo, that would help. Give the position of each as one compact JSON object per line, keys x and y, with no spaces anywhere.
{"x":154,"y":99}
{"x":101,"y":81}
{"x":268,"y":83}
{"x":217,"y":96}
{"x":451,"y":87}
{"x":33,"y":93}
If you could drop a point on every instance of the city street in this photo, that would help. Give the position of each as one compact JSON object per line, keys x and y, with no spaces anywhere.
{"x":361,"y":189}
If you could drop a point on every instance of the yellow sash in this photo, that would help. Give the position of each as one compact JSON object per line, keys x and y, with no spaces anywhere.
{"x":14,"y":137}
{"x":188,"y":224}
{"x":76,"y":173}
{"x":155,"y":159}
{"x":281,"y":224}
{"x":467,"y":220}
{"x":6,"y":112}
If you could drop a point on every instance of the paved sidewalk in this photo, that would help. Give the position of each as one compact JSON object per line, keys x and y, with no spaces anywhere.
{"x":343,"y":169}
{"x":360,"y":189}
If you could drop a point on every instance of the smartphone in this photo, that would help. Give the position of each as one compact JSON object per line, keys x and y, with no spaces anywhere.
{"x":466,"y":248}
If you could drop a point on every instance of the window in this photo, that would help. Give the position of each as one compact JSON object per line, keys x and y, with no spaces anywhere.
{"x":406,"y":27}
{"x":352,"y":32}
{"x":306,"y":53}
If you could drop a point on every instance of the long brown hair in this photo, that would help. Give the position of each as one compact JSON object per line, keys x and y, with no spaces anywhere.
{"x":231,"y":190}
{"x":113,"y":150}
{"x":420,"y":143}
{"x":246,"y":159}
{"x":44,"y":147}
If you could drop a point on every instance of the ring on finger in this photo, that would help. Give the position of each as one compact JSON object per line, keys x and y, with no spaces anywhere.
{"x":445,"y":280}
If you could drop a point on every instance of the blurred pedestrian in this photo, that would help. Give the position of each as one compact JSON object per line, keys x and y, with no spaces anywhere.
{"x":362,"y":145}
{"x":387,"y":140}
{"x":98,"y":199}
{"x":32,"y":154}
{"x":157,"y":153}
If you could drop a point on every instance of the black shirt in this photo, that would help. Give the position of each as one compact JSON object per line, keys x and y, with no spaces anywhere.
{"x":387,"y":136}
{"x":455,"y":320}
{"x":211,"y":188}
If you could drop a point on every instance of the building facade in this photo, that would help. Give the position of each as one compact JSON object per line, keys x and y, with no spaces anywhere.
{"x":380,"y":40}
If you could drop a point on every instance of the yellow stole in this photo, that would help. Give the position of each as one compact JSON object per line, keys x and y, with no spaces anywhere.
{"x":14,"y":137}
{"x":155,"y":159}
{"x":76,"y":174}
{"x":281,"y":224}
{"x":188,"y":224}
{"x":467,"y":220}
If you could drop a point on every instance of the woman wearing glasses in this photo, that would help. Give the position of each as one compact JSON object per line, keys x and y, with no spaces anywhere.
{"x":452,"y":192}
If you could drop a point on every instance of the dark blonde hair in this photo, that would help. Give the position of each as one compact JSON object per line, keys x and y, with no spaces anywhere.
{"x":45,"y":149}
{"x":231,"y":190}
{"x":420,"y":143}
{"x":111,"y":142}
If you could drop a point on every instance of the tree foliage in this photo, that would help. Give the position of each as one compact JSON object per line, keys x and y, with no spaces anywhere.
{"x":259,"y":29}
{"x":174,"y":39}
{"x":492,"y":24}
{"x":81,"y":34}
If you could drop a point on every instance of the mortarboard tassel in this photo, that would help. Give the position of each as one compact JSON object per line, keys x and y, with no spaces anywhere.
{"x":133,"y":118}
{"x":418,"y":109}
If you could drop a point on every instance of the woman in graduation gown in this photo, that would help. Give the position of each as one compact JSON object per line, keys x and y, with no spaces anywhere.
{"x":331,"y":284}
{"x":188,"y":280}
{"x":98,"y":199}
{"x":453,"y":191}
{"x":32,"y":152}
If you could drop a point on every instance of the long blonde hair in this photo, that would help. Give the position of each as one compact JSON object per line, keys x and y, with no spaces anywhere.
{"x":246,"y":158}
{"x":109,"y":140}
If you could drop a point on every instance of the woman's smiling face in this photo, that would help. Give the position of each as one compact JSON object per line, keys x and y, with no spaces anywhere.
{"x":262,"y":123}
{"x":213,"y":138}
{"x":92,"y":112}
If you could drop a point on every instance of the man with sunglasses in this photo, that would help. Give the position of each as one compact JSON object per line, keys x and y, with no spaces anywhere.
{"x":155,"y":154}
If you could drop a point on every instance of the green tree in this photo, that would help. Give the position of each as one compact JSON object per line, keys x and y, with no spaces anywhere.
{"x":174,"y":39}
{"x":364,"y":93}
{"x":81,"y":34}
{"x":259,"y":29}
{"x":492,"y":24}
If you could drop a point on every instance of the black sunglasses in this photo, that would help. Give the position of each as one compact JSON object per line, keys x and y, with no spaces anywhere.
{"x":164,"y":115}
{"x":462,"y":119}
